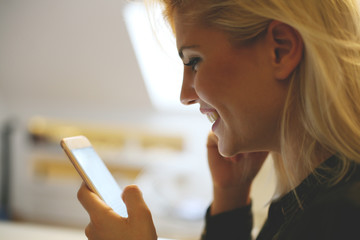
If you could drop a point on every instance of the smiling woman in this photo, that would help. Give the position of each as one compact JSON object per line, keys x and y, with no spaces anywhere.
{"x":279,"y":77}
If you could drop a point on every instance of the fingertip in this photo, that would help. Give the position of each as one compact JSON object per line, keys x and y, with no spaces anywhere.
{"x":135,"y":203}
{"x":131,"y":191}
{"x":212,"y":140}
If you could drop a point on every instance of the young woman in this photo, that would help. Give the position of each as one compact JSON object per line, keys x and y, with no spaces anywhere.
{"x":279,"y":77}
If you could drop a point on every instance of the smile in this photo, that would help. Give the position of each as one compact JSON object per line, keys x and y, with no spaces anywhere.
{"x":212,"y":116}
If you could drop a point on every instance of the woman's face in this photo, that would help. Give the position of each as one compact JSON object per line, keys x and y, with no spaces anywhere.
{"x":234,"y":86}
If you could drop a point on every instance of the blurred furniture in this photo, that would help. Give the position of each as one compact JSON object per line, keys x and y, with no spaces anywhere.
{"x":5,"y":167}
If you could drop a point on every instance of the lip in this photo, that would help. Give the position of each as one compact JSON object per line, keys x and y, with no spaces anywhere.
{"x":206,"y":110}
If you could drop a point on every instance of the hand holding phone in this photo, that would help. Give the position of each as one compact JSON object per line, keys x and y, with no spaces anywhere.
{"x":94,"y":172}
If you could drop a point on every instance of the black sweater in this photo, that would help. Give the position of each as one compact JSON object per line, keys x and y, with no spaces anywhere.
{"x":318,"y":212}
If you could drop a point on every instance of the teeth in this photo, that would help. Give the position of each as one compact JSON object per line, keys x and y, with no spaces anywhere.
{"x":213,"y":116}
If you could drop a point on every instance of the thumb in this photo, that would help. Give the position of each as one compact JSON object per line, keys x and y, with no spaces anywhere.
{"x":135,"y":204}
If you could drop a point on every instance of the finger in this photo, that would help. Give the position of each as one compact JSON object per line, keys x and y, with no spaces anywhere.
{"x":91,"y":232}
{"x":212,"y":141}
{"x":88,"y":231}
{"x":92,"y":203}
{"x":135,"y":203}
{"x":212,"y":147}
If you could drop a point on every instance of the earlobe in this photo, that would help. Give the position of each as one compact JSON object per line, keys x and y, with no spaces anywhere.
{"x":287,"y":48}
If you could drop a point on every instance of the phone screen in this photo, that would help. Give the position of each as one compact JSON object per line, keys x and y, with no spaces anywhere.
{"x":101,"y":178}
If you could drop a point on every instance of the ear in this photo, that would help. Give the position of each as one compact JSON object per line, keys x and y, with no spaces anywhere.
{"x":287,"y":48}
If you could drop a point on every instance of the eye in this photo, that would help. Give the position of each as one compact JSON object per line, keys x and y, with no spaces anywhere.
{"x":193,"y":63}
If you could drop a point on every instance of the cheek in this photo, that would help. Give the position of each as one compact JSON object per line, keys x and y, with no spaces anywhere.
{"x":215,"y":81}
{"x":205,"y":84}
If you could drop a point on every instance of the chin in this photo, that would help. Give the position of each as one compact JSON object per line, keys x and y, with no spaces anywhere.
{"x":232,"y":148}
{"x":227,"y":150}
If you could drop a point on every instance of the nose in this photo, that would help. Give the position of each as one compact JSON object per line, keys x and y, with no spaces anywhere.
{"x":188,"y":94}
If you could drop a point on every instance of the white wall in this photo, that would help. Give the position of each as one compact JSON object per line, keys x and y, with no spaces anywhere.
{"x":62,"y":57}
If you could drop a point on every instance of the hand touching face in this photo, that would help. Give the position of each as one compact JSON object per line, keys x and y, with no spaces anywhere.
{"x":232,"y":177}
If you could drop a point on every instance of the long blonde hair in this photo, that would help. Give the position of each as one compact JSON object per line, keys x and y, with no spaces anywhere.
{"x":324,"y":92}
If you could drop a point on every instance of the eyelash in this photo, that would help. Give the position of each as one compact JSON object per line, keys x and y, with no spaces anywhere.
{"x":193,"y":63}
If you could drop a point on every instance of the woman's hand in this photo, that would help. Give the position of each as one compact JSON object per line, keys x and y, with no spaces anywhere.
{"x":232,"y":177}
{"x":105,"y":224}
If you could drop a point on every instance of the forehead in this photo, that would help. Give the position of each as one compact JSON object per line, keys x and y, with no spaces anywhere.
{"x":196,"y":34}
{"x":183,"y":30}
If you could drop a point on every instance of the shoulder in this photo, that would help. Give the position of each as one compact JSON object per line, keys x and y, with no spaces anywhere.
{"x":346,"y":193}
{"x":341,"y":200}
{"x":340,"y":203}
{"x":333,"y":214}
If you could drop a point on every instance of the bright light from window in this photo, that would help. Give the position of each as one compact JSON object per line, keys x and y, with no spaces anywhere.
{"x":156,"y":52}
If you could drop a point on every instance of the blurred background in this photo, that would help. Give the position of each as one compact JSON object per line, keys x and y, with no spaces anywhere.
{"x":98,"y":68}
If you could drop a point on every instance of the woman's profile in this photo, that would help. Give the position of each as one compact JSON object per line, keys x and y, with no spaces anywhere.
{"x":275,"y":77}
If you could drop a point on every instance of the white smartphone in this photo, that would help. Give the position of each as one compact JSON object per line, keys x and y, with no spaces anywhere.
{"x":94,"y":172}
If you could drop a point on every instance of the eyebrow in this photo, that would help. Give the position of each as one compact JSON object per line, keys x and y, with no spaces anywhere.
{"x":186,"y":47}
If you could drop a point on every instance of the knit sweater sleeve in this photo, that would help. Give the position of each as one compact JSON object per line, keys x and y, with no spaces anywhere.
{"x":231,"y":225}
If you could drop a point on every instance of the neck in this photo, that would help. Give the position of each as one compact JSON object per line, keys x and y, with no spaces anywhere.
{"x":294,"y":164}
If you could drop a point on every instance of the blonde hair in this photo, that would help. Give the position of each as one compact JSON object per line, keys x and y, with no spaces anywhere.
{"x":324,"y":92}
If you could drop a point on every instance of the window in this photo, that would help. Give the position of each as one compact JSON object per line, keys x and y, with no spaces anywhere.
{"x":156,"y":52}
